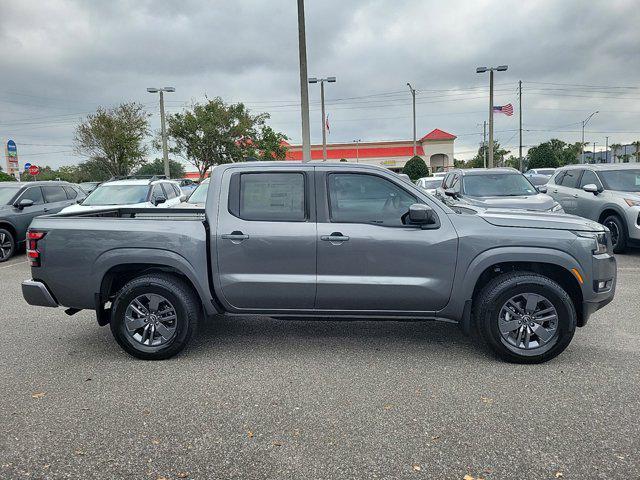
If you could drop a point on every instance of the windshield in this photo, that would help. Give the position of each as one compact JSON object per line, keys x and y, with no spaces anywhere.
{"x":497,"y":185}
{"x":7,"y":193}
{"x":199,"y":195}
{"x":621,"y":180}
{"x":117,"y":195}
{"x":545,"y":171}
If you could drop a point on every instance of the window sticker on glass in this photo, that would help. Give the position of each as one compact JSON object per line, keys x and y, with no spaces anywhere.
{"x":272,"y":196}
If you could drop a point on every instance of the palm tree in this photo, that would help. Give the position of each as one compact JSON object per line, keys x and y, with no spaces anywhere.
{"x":614,"y":148}
{"x":636,"y":144}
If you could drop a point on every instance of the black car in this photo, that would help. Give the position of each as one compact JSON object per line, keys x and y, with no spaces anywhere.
{"x":21,"y":202}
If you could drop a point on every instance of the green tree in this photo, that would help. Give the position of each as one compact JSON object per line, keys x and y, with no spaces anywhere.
{"x":416,"y":168}
{"x":5,"y":177}
{"x":553,"y":154}
{"x":498,"y":153}
{"x":614,"y":149}
{"x":114,"y":138}
{"x":215,"y":133}
{"x":176,"y":169}
{"x":636,"y":144}
{"x":270,"y":144}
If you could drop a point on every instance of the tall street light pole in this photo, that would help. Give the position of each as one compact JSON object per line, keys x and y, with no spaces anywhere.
{"x":357,"y":142}
{"x":413,"y":95}
{"x":584,"y":122}
{"x":165,"y":152}
{"x":304,"y":88}
{"x":500,"y":68}
{"x":324,"y":118}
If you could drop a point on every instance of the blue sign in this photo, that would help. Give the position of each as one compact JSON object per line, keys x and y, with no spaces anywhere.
{"x":12,"y":149}
{"x":26,"y":166}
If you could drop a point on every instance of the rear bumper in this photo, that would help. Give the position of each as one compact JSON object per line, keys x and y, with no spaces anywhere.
{"x":37,"y":293}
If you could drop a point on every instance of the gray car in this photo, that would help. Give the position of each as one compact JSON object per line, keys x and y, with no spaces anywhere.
{"x":504,"y":188}
{"x":606,"y":193}
{"x":22,"y":202}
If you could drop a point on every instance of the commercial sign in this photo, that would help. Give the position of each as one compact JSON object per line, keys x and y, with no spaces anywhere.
{"x":11,"y":154}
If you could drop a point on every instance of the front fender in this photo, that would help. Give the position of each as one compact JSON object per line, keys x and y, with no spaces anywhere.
{"x":198,"y":276}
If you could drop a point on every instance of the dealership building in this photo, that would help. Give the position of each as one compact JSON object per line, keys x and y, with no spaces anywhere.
{"x":435,"y":148}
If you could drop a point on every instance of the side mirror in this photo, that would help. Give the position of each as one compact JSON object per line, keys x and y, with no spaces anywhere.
{"x":420,"y":214}
{"x":25,"y":202}
{"x":542,"y":188}
{"x":158,"y":200}
{"x":450,"y":192}
{"x":591,"y":188}
{"x":183,"y":197}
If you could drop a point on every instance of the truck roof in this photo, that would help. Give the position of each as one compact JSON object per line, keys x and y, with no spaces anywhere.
{"x":603,"y":166}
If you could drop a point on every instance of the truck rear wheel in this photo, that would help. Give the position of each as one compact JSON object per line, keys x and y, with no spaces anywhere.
{"x":154,"y":316}
{"x":525,"y":317}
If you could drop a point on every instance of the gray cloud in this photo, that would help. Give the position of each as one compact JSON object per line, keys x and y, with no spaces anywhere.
{"x":61,"y":59}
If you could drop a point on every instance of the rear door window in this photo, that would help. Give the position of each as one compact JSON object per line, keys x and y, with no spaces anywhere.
{"x":570,"y":179}
{"x":269,"y":197}
{"x":53,"y":194}
{"x":71,"y":192}
{"x":169,"y":191}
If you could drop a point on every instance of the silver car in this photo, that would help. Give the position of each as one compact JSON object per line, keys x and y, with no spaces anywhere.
{"x":606,"y":193}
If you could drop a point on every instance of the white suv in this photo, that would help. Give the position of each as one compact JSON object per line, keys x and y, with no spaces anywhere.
{"x":132,"y":193}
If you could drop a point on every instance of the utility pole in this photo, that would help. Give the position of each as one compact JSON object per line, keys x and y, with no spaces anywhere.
{"x":484,"y":142}
{"x":357,"y":142}
{"x":413,"y":95}
{"x":165,"y":151}
{"x":520,"y":112}
{"x":324,"y":118}
{"x":584,"y":122}
{"x":594,"y":152}
{"x":606,"y":149}
{"x":304,"y":88}
{"x":500,"y":68}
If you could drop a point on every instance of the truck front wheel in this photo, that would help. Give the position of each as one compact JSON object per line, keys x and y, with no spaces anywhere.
{"x":154,"y":316}
{"x":525,"y":317}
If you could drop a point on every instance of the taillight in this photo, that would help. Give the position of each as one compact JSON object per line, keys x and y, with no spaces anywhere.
{"x":32,"y":247}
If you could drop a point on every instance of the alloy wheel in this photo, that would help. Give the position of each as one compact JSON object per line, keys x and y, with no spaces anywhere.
{"x":615,"y":233}
{"x":5,"y":246}
{"x":528,"y":321}
{"x":151,"y":320}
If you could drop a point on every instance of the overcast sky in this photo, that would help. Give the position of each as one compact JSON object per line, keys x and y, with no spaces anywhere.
{"x":62,"y":59}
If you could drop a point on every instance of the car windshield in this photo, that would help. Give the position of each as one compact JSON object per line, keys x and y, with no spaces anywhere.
{"x":199,"y":195}
{"x":546,"y":171}
{"x":7,"y":193}
{"x":497,"y":185}
{"x":621,"y":180}
{"x":117,"y":195}
{"x":431,"y":183}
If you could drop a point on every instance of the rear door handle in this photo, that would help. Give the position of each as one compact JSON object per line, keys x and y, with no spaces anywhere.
{"x":336,"y":237}
{"x":235,"y":236}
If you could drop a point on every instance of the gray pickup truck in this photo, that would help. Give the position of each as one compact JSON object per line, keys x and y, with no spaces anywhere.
{"x":335,"y":241}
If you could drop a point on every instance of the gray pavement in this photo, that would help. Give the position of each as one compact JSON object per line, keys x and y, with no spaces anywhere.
{"x":260,"y":398}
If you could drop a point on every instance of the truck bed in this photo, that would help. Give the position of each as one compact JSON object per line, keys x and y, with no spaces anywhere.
{"x":78,"y":249}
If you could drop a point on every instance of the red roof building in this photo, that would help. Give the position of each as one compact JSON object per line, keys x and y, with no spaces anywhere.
{"x":435,"y":148}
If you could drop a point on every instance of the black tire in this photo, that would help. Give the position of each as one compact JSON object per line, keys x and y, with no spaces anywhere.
{"x":7,"y":245}
{"x":491,"y":299}
{"x":183,"y":299}
{"x":618,"y":232}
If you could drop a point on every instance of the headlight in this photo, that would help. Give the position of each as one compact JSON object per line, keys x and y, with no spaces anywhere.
{"x":631,"y":202}
{"x":600,"y":241}
{"x":557,"y":208}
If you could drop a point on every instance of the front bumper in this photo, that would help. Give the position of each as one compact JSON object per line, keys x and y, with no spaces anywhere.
{"x":604,"y":269}
{"x":633,"y":224}
{"x":37,"y":293}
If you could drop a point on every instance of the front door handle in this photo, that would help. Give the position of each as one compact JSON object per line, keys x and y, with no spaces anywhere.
{"x":555,"y":191}
{"x":335,"y":237}
{"x":235,"y":236}
{"x":575,"y":195}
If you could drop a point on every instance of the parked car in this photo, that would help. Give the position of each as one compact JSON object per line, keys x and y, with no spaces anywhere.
{"x":606,"y":193}
{"x":494,"y":188}
{"x":22,"y":202}
{"x":429,"y":184}
{"x":439,"y":174}
{"x":187,"y":185}
{"x":328,"y":241}
{"x":198,"y":198}
{"x":537,"y":180}
{"x":548,"y":172}
{"x":89,"y":186}
{"x":134,"y":193}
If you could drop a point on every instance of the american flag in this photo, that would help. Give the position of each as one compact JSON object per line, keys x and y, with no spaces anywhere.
{"x":506,"y":109}
{"x":327,"y":124}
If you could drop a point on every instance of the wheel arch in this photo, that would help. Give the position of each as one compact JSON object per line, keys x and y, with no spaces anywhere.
{"x":551,"y":263}
{"x":8,"y":226}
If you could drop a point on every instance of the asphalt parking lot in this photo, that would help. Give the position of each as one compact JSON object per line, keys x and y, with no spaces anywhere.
{"x":260,"y":398}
